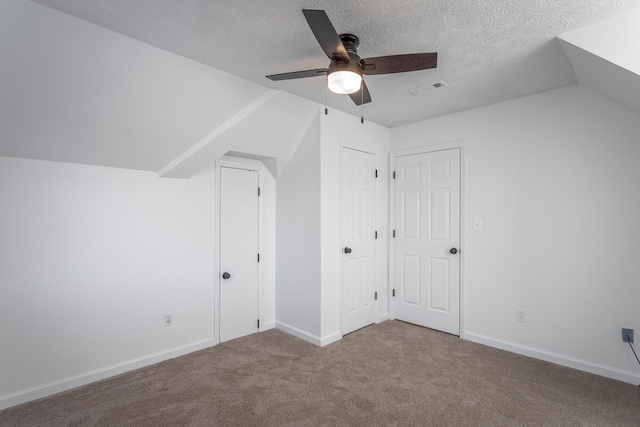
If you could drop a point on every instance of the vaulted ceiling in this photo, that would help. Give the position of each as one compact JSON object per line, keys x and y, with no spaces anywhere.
{"x":171,"y":85}
{"x":489,"y":51}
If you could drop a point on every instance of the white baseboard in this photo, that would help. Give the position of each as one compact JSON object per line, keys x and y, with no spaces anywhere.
{"x":330,"y":339}
{"x":383,"y":317}
{"x":558,"y":359}
{"x":299,"y":333}
{"x":267,"y":326}
{"x":44,"y":390}
{"x":311,"y":338}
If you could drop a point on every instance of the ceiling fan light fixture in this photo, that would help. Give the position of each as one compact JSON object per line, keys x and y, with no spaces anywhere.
{"x":346,"y":69}
{"x":344,"y":81}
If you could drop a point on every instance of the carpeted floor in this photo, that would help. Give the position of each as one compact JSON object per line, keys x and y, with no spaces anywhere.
{"x":391,"y":374}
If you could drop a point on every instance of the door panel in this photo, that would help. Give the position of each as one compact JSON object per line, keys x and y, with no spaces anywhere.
{"x":427,"y":217}
{"x":439,"y":295}
{"x":411,"y":284}
{"x":439,"y":224}
{"x":411,"y":217}
{"x":238,"y":252}
{"x":358,"y":234}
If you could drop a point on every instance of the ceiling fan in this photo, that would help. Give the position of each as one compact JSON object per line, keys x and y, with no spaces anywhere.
{"x":346,"y":69}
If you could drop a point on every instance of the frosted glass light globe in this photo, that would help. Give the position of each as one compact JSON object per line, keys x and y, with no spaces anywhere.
{"x":344,"y":82}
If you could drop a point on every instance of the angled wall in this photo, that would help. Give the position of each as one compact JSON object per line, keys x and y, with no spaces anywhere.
{"x":79,"y":93}
{"x":298,"y":239}
{"x":270,"y":126}
{"x":604,"y":57}
{"x":614,"y":39}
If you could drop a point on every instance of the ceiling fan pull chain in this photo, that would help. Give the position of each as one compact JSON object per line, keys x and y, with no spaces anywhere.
{"x":326,"y":100}
{"x":362,"y":102}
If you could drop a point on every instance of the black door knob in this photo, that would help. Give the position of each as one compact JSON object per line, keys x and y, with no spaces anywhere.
{"x":453,"y":251}
{"x":225,"y":275}
{"x":347,"y":250}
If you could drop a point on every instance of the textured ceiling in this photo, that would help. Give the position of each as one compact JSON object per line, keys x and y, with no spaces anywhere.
{"x":488,"y":50}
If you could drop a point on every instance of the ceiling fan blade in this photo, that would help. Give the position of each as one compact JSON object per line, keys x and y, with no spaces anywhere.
{"x":326,"y":35}
{"x":399,"y":63}
{"x":299,"y":74}
{"x":362,"y":96}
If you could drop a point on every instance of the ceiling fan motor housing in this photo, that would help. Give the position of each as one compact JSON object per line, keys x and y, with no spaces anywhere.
{"x":353,"y":66}
{"x":350,"y":42}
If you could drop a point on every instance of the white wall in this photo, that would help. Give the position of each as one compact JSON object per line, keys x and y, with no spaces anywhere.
{"x":340,"y":129}
{"x":298,"y":240}
{"x":308,"y":226}
{"x":90,"y":260}
{"x":555,"y":178}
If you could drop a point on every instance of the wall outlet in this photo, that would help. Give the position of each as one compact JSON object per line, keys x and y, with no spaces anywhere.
{"x":521,"y":315}
{"x":168,"y":319}
{"x":627,"y":335}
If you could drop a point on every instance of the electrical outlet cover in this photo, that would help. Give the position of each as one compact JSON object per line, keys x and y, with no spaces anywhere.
{"x":627,"y":335}
{"x":168,"y":319}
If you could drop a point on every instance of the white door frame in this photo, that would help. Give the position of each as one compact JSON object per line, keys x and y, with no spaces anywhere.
{"x":258,"y":167}
{"x":392,"y":160}
{"x":363,"y":148}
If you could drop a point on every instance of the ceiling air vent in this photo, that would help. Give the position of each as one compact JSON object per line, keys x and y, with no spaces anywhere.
{"x":422,"y":89}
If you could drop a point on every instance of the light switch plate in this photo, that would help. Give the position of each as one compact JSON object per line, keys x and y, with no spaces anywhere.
{"x":477,"y":224}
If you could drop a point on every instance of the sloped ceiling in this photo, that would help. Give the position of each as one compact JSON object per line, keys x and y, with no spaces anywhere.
{"x":169,"y":85}
{"x":74,"y":92}
{"x":489,"y":51}
{"x":257,"y":130}
{"x":605,"y":58}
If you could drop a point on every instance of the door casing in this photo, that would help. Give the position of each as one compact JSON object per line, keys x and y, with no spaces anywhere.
{"x":374,"y":287}
{"x":229,"y":162}
{"x":429,"y":149}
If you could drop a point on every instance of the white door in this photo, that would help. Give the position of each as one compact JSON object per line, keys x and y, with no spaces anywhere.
{"x":238,"y":253}
{"x":427,"y":240}
{"x":358,"y":240}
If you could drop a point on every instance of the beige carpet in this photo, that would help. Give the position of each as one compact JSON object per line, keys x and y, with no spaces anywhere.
{"x":391,"y":374}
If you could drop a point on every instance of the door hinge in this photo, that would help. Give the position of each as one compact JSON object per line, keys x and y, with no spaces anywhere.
{"x":258,"y":323}
{"x":393,"y":293}
{"x":394,"y":234}
{"x":258,"y":191}
{"x":376,"y":173}
{"x":376,"y":234}
{"x":375,"y":295}
{"x":394,"y":174}
{"x":258,"y":257}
